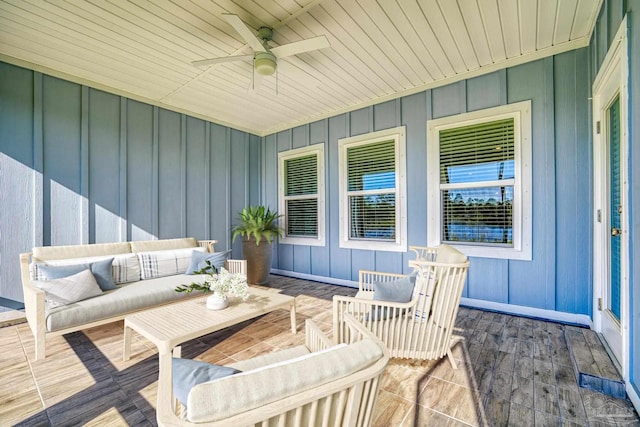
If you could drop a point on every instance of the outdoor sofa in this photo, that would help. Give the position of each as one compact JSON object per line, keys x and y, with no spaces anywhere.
{"x":141,"y":275}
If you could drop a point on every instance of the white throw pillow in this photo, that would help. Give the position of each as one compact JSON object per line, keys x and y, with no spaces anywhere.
{"x":70,"y":289}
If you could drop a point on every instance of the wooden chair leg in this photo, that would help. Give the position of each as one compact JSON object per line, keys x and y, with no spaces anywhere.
{"x":454,"y":365}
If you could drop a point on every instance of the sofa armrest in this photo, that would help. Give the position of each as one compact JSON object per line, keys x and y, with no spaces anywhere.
{"x":236,"y":266}
{"x":34,"y":306}
{"x":208,"y":244}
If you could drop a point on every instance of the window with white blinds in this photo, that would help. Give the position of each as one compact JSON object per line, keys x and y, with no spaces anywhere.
{"x":372,"y":191}
{"x":476,"y":183}
{"x":479,"y":185}
{"x":301,"y":194}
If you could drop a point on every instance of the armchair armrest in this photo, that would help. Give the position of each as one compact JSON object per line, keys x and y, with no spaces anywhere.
{"x":424,"y":253}
{"x":358,"y":331}
{"x":315,"y":339}
{"x":367,"y":279}
{"x":371,"y":314}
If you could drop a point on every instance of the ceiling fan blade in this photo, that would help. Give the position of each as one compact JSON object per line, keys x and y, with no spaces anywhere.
{"x":245,"y":32}
{"x":295,"y":48}
{"x":203,"y":62}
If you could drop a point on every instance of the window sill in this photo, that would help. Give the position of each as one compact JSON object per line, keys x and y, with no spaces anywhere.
{"x":523,"y":254}
{"x":373,"y":245}
{"x":302,"y":241}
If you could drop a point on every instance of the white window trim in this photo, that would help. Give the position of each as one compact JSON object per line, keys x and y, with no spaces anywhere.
{"x":522,"y":203}
{"x":317,"y":149}
{"x":400,"y":245}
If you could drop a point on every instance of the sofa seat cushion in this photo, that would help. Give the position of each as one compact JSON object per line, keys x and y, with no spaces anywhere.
{"x":129,"y":297}
{"x":247,"y":390}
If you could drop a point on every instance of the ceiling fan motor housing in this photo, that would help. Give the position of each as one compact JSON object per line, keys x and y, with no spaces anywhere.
{"x":265,"y":63}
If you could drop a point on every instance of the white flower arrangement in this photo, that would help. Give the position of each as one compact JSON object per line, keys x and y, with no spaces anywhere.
{"x":220,"y":282}
{"x":230,"y":284}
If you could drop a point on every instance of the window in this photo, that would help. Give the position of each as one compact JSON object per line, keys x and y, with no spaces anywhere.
{"x":372,"y":191}
{"x":479,"y":181}
{"x":301,"y":195}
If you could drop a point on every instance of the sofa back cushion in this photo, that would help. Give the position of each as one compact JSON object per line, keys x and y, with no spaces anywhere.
{"x":231,"y":395}
{"x":124,"y":268}
{"x":165,"y":263}
{"x":46,"y":253}
{"x":163,"y":244}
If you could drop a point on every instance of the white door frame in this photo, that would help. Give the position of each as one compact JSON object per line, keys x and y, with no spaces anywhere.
{"x":612,"y":77}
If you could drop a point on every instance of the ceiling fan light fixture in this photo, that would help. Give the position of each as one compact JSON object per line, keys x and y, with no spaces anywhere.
{"x":265,"y":63}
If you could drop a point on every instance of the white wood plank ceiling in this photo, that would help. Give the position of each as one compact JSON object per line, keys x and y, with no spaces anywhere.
{"x":380,"y":49}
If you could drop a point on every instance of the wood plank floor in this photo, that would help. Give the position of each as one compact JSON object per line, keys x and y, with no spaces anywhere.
{"x":512,"y":371}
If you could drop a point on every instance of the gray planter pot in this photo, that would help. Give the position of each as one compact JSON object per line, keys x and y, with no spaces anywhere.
{"x":258,"y":260}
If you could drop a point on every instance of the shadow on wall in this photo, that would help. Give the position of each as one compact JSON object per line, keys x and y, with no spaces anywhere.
{"x":39,"y":210}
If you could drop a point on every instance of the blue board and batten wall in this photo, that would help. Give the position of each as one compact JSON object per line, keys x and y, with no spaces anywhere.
{"x":78,"y":165}
{"x":559,"y":276}
{"x":97,"y":167}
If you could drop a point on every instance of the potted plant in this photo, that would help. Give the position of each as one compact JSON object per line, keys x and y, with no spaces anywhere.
{"x":258,"y":226}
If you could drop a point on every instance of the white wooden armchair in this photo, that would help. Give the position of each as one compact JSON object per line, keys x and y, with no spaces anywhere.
{"x":317,"y":384}
{"x":421,"y":328}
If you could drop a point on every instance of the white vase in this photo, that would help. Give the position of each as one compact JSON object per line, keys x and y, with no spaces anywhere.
{"x":217,"y":301}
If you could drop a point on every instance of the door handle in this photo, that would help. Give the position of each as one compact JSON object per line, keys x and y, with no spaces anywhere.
{"x":615,"y":231}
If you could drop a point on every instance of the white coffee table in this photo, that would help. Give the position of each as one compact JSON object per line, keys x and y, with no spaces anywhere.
{"x":171,"y":325}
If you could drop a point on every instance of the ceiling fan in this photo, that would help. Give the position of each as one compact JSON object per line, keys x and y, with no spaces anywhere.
{"x":265,"y":59}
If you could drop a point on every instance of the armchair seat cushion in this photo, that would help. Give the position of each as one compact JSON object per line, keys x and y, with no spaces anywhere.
{"x":368,"y":295}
